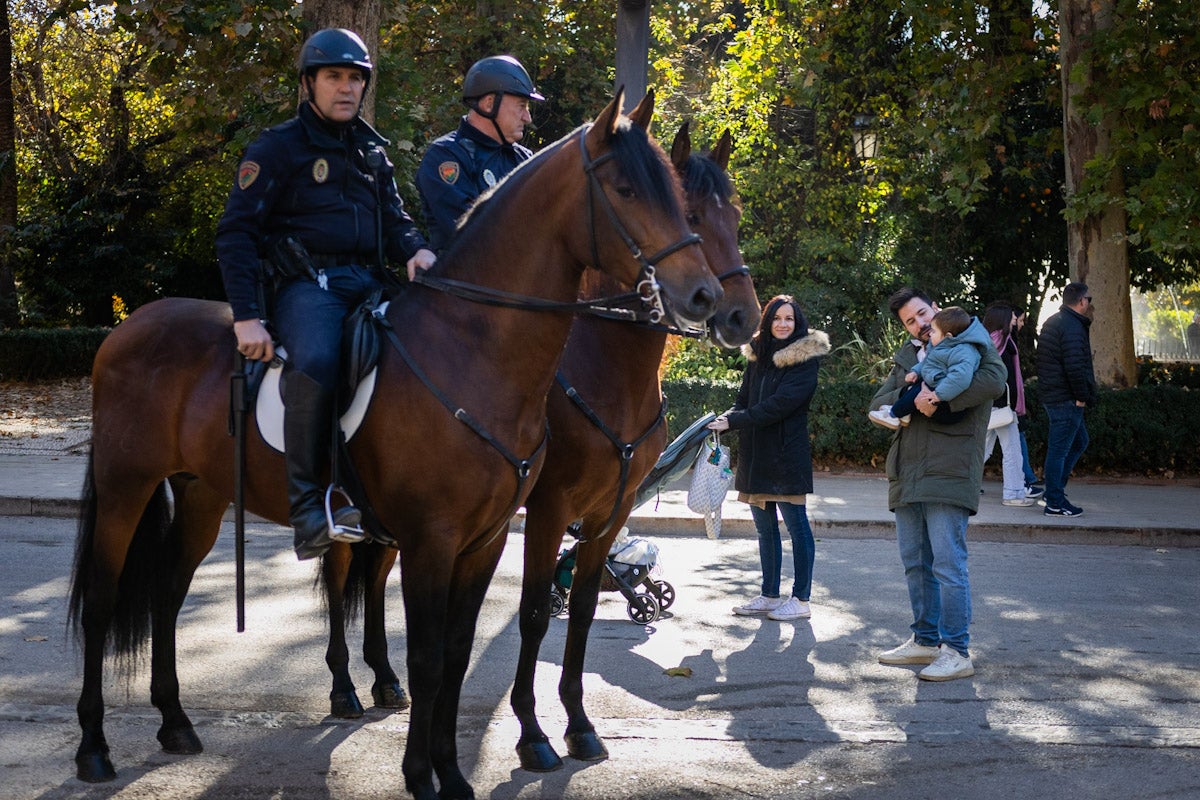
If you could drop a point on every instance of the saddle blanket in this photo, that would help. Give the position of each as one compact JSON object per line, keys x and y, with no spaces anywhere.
{"x":268,"y":408}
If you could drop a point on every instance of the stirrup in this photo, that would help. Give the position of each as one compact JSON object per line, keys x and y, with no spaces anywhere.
{"x":349,"y":534}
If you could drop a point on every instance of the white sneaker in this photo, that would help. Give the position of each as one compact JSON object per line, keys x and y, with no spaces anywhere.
{"x":759,"y":605}
{"x":948,"y":666}
{"x":909,"y":653}
{"x":1018,"y":501}
{"x":882,"y":417}
{"x":794,"y":608}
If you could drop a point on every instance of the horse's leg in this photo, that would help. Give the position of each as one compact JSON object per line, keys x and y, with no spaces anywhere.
{"x":581,"y":738}
{"x":544,"y":529}
{"x":472,"y":574}
{"x":194,"y":530}
{"x":425,"y":583}
{"x":107,"y":525}
{"x":336,"y":566}
{"x":386,"y":691}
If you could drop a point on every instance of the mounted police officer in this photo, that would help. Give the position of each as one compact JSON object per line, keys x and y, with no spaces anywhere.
{"x":315,"y":203}
{"x":461,"y":165}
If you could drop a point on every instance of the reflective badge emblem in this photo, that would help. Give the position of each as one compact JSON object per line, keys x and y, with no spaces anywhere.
{"x":448,"y":171}
{"x":489,"y":177}
{"x":320,"y":170}
{"x":247,"y":172}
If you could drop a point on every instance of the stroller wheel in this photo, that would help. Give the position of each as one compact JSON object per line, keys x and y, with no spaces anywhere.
{"x":665,"y":593}
{"x":558,"y":603}
{"x":643,"y":609}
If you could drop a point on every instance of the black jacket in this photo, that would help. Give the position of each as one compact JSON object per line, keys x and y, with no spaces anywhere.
{"x":309,"y":180}
{"x":771,"y":417}
{"x":1064,"y":359}
{"x":455,"y":170}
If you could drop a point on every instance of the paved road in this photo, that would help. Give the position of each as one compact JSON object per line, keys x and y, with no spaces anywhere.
{"x":1087,"y":684}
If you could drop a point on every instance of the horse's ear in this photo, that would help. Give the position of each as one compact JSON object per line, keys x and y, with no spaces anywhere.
{"x":681,"y":148}
{"x":720,"y":153}
{"x":643,"y":112}
{"x":606,"y":124}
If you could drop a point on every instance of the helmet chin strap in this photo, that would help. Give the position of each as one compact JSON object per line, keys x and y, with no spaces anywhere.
{"x":498,"y":97}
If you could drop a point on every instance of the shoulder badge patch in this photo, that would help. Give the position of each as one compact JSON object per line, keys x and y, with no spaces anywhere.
{"x":247,"y":172}
{"x":320,"y":170}
{"x":449,"y":171}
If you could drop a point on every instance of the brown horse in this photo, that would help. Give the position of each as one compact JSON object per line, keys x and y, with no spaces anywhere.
{"x":592,"y":474}
{"x":614,"y":368}
{"x":604,"y":194}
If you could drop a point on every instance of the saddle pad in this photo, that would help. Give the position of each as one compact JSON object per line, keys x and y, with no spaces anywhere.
{"x":268,"y":410}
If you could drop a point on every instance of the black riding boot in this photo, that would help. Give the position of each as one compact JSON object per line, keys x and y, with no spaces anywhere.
{"x":307,"y":425}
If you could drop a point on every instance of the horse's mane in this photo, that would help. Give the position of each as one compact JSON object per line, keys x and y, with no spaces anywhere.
{"x":643,"y":165}
{"x":703,"y":177}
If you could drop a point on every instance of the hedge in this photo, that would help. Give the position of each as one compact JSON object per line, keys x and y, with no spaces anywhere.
{"x":1149,"y":430}
{"x":40,"y":353}
{"x":1152,"y":429}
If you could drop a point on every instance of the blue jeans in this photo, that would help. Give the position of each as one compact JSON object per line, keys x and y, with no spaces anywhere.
{"x":308,"y":320}
{"x":770,"y":547}
{"x":1030,"y":475}
{"x":933,"y":550}
{"x":1066,"y":440}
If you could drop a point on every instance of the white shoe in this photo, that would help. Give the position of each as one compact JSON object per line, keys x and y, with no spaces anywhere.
{"x":882,"y":417}
{"x":1018,"y":501}
{"x":759,"y":605}
{"x":794,"y":608}
{"x":909,"y":653}
{"x":948,"y":666}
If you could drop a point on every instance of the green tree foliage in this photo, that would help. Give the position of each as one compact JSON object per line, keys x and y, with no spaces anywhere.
{"x":1146,"y":66}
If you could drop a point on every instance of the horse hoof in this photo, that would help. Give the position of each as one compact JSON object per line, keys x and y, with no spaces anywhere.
{"x":180,"y":741}
{"x":538,"y":757}
{"x":586,"y":746}
{"x":345,"y":705}
{"x":389,"y":695}
{"x":94,"y":768}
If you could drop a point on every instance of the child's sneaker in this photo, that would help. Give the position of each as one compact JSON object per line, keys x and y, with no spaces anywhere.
{"x":882,"y":417}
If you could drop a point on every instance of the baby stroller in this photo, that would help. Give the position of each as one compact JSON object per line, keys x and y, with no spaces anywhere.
{"x":632,"y":562}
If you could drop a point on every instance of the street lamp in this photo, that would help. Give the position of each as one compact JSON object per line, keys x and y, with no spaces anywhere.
{"x":866,"y":140}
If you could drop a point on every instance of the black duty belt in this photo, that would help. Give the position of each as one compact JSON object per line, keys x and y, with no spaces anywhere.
{"x":327,"y":260}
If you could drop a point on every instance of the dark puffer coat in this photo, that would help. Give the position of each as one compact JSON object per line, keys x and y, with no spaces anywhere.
{"x":1064,"y":359}
{"x":771,"y":418}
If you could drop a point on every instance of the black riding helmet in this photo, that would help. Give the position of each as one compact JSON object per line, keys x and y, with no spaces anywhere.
{"x":496,"y":76}
{"x":335,"y":47}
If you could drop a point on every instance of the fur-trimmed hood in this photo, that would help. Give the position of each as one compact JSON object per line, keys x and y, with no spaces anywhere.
{"x":814,"y":345}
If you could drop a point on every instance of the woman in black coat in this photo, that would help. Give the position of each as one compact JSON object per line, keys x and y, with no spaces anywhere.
{"x":774,"y":471}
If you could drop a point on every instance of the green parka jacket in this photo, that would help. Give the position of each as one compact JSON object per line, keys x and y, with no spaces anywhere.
{"x":932,"y":462}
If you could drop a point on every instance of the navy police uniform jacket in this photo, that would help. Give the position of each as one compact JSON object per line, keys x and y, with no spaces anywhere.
{"x":309,"y":180}
{"x":455,"y":170}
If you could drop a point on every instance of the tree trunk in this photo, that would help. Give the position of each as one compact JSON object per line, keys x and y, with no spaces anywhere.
{"x":360,"y":16}
{"x":1097,"y":250}
{"x":9,"y":312}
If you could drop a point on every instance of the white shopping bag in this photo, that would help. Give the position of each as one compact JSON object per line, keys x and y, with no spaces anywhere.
{"x":711,"y":479}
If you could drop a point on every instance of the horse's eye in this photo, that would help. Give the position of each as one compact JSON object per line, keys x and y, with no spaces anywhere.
{"x":627,"y":192}
{"x":693,"y":219}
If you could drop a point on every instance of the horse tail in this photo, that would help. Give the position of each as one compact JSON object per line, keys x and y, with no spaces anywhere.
{"x":354,"y":591}
{"x":143,"y":578}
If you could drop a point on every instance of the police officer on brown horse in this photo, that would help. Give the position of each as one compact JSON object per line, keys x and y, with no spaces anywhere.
{"x":315,"y":203}
{"x":466,"y":162}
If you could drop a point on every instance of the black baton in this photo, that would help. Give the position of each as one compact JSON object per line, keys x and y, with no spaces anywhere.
{"x":237,"y":401}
